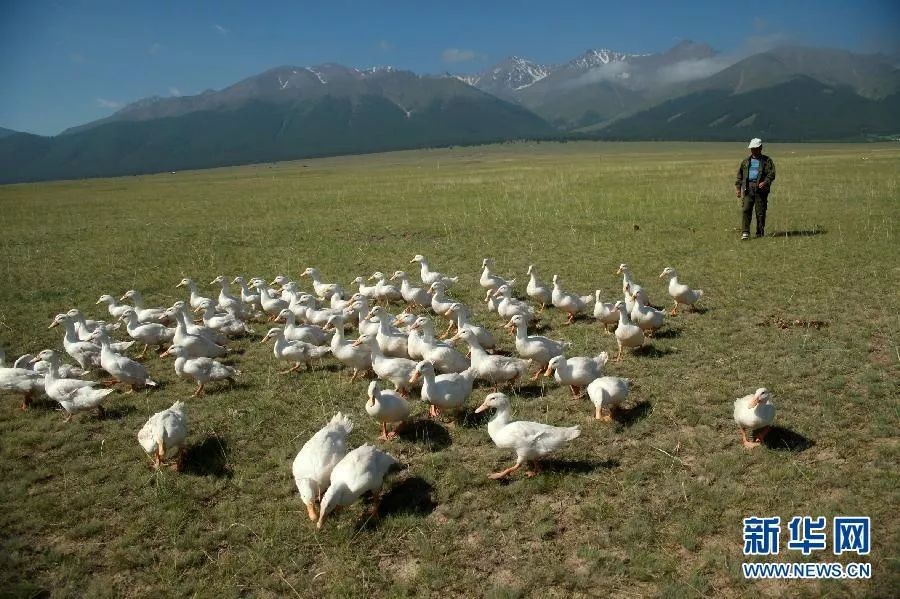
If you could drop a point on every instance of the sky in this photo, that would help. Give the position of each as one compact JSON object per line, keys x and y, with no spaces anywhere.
{"x":68,"y":62}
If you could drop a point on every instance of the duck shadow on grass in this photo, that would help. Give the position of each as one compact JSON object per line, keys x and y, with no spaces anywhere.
{"x":667,"y":333}
{"x":208,"y":458}
{"x":411,"y":496}
{"x":784,"y":439}
{"x":564,"y":466}
{"x":799,"y":233}
{"x":469,"y":419}
{"x":651,"y":351}
{"x":118,"y":412}
{"x":427,"y":432}
{"x":627,"y":417}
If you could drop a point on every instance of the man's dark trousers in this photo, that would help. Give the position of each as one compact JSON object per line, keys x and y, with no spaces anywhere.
{"x":758,"y":199}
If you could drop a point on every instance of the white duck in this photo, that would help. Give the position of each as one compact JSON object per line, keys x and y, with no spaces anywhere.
{"x":202,"y":370}
{"x":510,"y":306}
{"x":196,"y":299}
{"x":226,"y":301}
{"x":298,"y":352}
{"x":322,"y":289}
{"x":22,"y":381}
{"x":446,"y":391}
{"x":361,"y":470}
{"x":628,"y":334}
{"x":165,"y":435}
{"x":66,"y":371}
{"x":271,"y":304}
{"x":359,"y":358}
{"x":367,"y":291}
{"x":123,"y":369}
{"x":537,"y":290}
{"x":440,"y":354}
{"x":537,"y":348}
{"x":628,"y":285}
{"x":384,"y":291}
{"x":391,"y":341}
{"x":336,"y":302}
{"x":754,"y":413}
{"x":429,"y":276}
{"x":83,"y":327}
{"x":386,"y":407}
{"x":681,"y":293}
{"x":144,"y":314}
{"x":530,"y":440}
{"x":317,"y":458}
{"x":605,"y":312}
{"x":404,"y":320}
{"x":488,"y":279}
{"x":491,"y":301}
{"x":226,"y":323}
{"x":440,"y":303}
{"x":74,"y":395}
{"x":249,"y":298}
{"x":87,"y":354}
{"x":395,"y":370}
{"x":494,"y":369}
{"x":359,"y":313}
{"x":577,"y":372}
{"x":608,"y":392}
{"x":415,"y":341}
{"x":648,"y":318}
{"x":149,"y":333}
{"x":460,"y":314}
{"x":282,"y":281}
{"x":217,"y":337}
{"x":310,"y":333}
{"x":569,"y":303}
{"x":195,"y":346}
{"x":314,"y":315}
{"x":414,"y":296}
{"x":115,"y":309}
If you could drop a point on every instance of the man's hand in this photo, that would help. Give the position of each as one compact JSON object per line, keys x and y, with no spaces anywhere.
{"x":762,"y":184}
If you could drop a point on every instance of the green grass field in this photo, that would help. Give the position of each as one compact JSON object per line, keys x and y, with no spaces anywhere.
{"x":651,"y":506}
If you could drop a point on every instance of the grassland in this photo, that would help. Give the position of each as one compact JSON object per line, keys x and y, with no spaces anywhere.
{"x":651,"y":506}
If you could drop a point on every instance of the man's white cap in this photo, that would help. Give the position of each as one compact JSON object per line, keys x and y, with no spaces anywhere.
{"x":755,"y":143}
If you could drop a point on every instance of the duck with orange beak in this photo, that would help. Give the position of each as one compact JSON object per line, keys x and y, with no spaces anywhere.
{"x":530,"y":440}
{"x":754,"y":413}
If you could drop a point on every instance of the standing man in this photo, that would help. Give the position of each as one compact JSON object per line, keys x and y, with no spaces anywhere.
{"x":753,"y":183}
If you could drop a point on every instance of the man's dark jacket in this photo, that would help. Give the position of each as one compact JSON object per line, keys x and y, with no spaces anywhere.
{"x":766,"y":173}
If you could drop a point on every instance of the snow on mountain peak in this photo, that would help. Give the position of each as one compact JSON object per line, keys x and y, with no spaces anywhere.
{"x":598,"y":57}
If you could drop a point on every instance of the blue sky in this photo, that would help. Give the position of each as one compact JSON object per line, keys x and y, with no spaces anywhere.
{"x":69,"y":62}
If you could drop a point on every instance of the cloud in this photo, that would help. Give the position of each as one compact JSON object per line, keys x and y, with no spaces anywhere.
{"x":103,"y":103}
{"x":77,"y":58}
{"x":175,"y":92}
{"x":688,"y":70}
{"x":385,"y":46}
{"x":154,"y":48}
{"x":220,"y":29}
{"x":454,"y":55}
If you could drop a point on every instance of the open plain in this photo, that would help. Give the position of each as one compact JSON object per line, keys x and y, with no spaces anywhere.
{"x":651,"y":505}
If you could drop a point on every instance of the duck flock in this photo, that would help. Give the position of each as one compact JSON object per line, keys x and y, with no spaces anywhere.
{"x":402,"y":349}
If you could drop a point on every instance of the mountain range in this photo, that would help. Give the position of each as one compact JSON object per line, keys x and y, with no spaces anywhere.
{"x":689,"y":92}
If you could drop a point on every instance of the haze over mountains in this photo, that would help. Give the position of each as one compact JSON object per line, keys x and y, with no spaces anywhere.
{"x":687,"y":93}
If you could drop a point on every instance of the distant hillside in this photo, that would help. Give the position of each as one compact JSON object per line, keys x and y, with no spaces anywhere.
{"x":799,"y":109}
{"x":686,"y":93}
{"x":284,"y":113}
{"x":259,"y":131}
{"x":6,"y":132}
